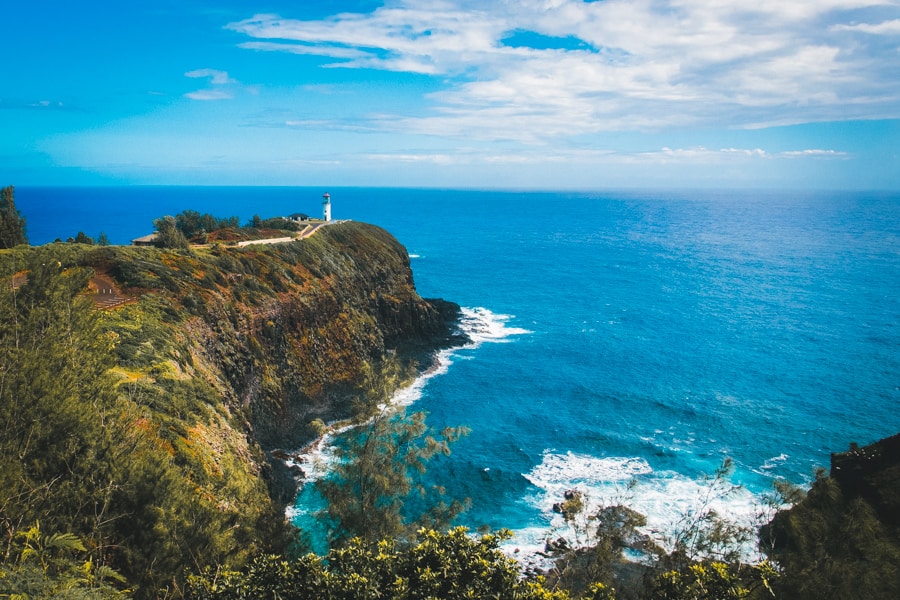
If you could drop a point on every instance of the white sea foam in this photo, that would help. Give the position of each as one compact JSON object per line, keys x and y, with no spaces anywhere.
{"x":561,"y":470}
{"x":774,"y":461}
{"x":665,"y":498}
{"x":771,"y":464}
{"x":482,"y":325}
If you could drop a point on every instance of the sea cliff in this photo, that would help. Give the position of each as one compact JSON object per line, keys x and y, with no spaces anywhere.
{"x":207,"y":361}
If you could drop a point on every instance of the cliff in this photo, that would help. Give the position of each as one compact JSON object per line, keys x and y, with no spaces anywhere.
{"x":842,"y":540}
{"x":208,"y":361}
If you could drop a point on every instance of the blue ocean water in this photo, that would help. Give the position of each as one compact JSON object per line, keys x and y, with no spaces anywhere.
{"x":623,"y":334}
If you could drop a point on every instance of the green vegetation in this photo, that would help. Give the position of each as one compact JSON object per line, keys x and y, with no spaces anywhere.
{"x":83,"y":238}
{"x":54,"y":566}
{"x":143,"y":431}
{"x":376,"y":474}
{"x":842,"y":540}
{"x":192,"y":224}
{"x":374,"y":484}
{"x":448,"y":566}
{"x":12,"y":224}
{"x":191,"y":227}
{"x":95,"y":459}
{"x":457,"y":565}
{"x":137,"y":445}
{"x":168,"y":234}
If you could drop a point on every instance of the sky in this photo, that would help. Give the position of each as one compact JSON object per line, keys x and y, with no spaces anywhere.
{"x":503,"y":94}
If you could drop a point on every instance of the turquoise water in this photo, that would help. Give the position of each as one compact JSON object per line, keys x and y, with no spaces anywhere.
{"x":644,"y":335}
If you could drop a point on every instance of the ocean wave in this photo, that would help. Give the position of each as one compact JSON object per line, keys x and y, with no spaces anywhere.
{"x":481,"y":325}
{"x":774,"y":461}
{"x":766,"y":469}
{"x":665,"y":498}
{"x":561,"y":470}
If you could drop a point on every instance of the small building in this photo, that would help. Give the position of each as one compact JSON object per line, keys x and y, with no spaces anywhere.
{"x":298,"y":217}
{"x":147,"y":240}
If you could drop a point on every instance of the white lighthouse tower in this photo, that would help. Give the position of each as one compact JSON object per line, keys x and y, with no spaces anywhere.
{"x":326,"y":207}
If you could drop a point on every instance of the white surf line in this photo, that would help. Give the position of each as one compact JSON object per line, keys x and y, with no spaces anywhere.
{"x":665,"y":498}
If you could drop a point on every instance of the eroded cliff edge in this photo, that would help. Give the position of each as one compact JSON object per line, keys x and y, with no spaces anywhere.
{"x":209,"y":360}
{"x":288,"y":333}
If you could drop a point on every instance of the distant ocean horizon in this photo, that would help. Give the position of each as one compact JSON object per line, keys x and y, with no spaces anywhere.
{"x":619,"y":336}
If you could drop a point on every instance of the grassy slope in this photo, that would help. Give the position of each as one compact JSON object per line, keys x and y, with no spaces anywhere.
{"x":221,"y":355}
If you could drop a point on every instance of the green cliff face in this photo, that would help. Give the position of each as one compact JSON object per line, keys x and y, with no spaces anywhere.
{"x":208,"y":360}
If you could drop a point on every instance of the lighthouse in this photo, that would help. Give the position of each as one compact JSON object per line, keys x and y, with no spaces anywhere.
{"x":326,"y":207}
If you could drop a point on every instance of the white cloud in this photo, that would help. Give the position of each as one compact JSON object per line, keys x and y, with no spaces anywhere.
{"x":209,"y":95}
{"x":586,"y":158}
{"x":216,"y":77}
{"x":438,"y":159}
{"x":815,"y":153}
{"x":642,"y":64}
{"x":891,"y":27}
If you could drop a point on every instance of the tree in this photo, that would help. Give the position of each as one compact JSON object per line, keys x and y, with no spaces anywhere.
{"x":84,"y":456}
{"x":701,"y":532}
{"x":379,"y":464}
{"x":189,"y":223}
{"x":83,"y":238}
{"x":834,"y":544}
{"x":449,"y":566}
{"x":168,"y":235}
{"x":54,"y":393}
{"x":716,"y":581}
{"x":376,"y":473}
{"x":102,"y":240}
{"x":12,"y":224}
{"x":600,"y":538}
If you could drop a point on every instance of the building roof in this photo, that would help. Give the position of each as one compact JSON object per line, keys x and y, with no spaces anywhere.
{"x":146,"y":239}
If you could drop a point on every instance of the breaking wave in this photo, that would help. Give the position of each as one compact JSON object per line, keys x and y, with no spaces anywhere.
{"x":666,"y":498}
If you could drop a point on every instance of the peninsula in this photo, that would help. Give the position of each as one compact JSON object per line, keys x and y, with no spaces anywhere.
{"x":151,"y":429}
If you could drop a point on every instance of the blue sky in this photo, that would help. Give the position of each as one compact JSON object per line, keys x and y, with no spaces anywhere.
{"x":553,"y":94}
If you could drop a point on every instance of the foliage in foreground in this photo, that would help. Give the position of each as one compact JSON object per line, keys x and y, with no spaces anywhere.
{"x":56,"y":566}
{"x":441,"y":565}
{"x":95,"y":459}
{"x":715,"y":580}
{"x":449,"y":566}
{"x":842,"y":541}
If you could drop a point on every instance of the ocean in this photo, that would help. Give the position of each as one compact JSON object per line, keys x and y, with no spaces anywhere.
{"x":624,"y":343}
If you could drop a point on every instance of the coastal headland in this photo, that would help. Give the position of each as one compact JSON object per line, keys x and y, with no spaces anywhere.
{"x":221,"y":356}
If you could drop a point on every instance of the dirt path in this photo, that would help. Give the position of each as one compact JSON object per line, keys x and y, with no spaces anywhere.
{"x":106,"y":294}
{"x":302,"y":235}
